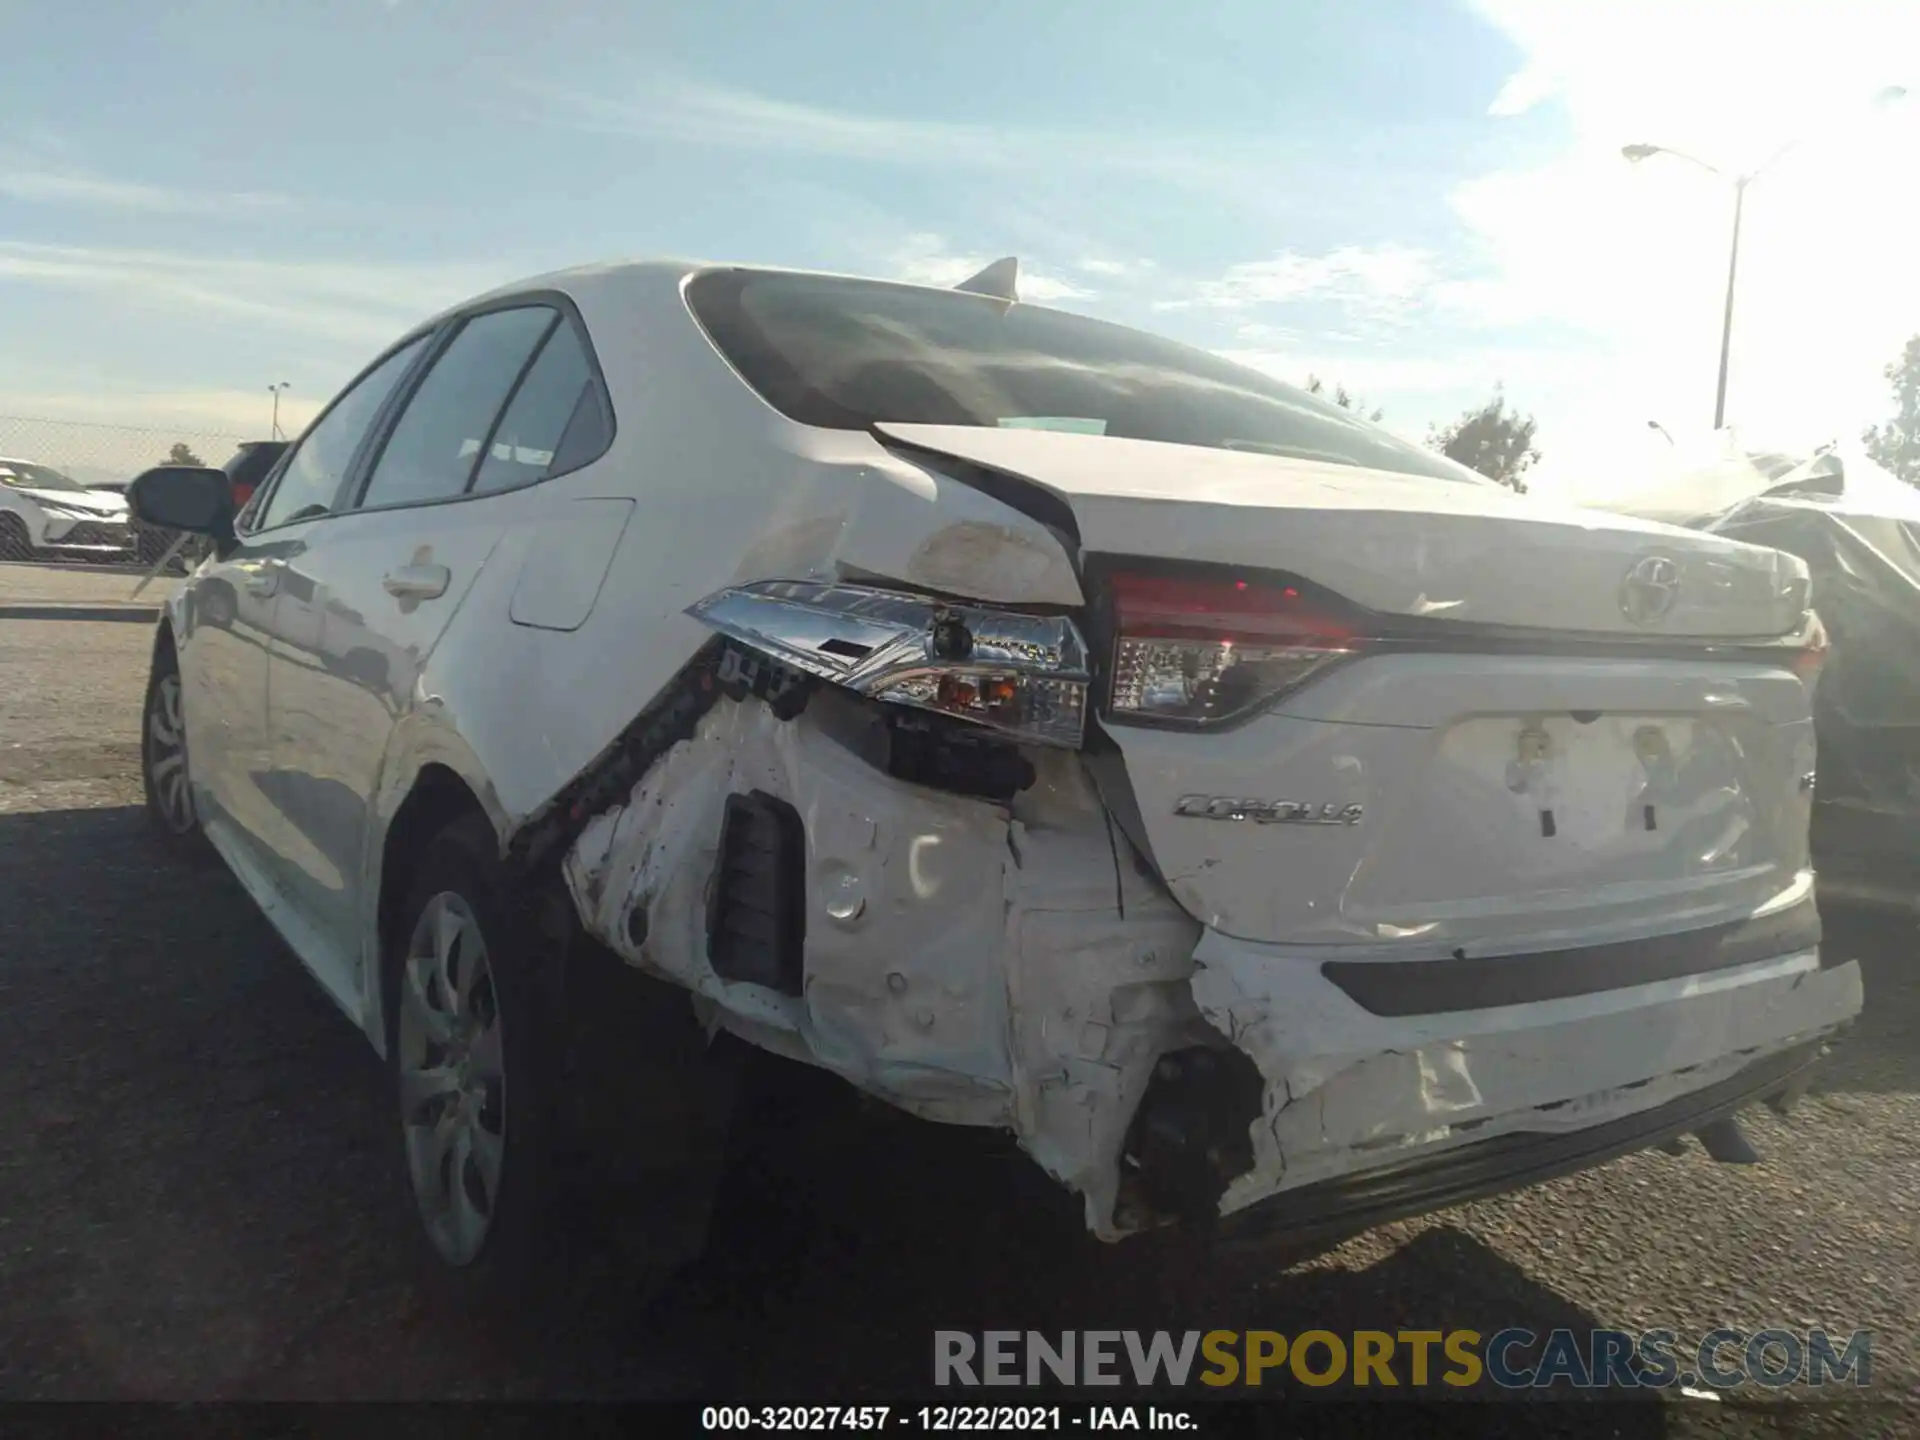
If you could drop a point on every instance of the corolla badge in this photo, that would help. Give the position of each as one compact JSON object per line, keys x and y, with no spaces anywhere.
{"x":1650,"y":590}
{"x":1266,"y":812}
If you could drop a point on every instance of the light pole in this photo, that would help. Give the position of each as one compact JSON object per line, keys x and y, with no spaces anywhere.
{"x":275,"y":390}
{"x":1637,"y":153}
{"x":1656,"y":425}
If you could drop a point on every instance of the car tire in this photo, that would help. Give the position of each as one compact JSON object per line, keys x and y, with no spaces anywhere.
{"x":15,"y":541}
{"x":474,"y":1049}
{"x":164,"y":769}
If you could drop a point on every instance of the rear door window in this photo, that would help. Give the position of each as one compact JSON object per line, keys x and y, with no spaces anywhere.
{"x":436,"y":445}
{"x":555,"y":422}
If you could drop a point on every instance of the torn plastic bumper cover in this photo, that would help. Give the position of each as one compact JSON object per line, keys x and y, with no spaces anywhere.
{"x":866,"y":842}
{"x":1335,"y":1208}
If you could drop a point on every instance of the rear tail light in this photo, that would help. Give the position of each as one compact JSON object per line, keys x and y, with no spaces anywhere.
{"x":1204,"y":651}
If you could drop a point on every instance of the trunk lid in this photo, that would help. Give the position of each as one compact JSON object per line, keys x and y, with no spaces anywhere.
{"x":1407,"y":545}
{"x":1591,"y":737}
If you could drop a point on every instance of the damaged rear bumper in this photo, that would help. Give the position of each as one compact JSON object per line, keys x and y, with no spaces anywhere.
{"x":1334,"y":1209}
{"x":1003,"y":962}
{"x":1351,"y":1094}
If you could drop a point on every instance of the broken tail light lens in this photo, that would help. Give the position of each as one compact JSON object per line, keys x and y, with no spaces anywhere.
{"x":1206,"y":651}
{"x":1031,"y":706}
{"x":1021,"y":674}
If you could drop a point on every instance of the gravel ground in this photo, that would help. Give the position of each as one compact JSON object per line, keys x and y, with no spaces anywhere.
{"x":200,"y":1195}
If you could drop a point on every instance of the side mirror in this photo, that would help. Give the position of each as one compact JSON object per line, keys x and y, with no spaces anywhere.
{"x":194,"y":498}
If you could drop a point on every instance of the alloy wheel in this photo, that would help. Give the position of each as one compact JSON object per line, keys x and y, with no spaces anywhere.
{"x":451,"y":1077}
{"x":166,"y":755}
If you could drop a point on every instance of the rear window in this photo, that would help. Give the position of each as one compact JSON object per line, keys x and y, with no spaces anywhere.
{"x":848,"y":354}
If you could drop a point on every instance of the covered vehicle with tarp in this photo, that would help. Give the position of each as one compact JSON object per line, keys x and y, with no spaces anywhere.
{"x":1858,"y":528}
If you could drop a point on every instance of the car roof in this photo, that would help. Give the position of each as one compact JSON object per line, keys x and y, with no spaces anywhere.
{"x":591,"y":285}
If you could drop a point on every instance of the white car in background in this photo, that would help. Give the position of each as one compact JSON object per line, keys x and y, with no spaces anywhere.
{"x":47,"y":515}
{"x":1043,"y":725}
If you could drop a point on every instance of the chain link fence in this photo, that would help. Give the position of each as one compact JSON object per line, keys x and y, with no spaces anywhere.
{"x":62,"y":487}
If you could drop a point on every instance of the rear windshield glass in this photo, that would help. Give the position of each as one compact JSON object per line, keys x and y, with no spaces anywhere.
{"x":847,"y":354}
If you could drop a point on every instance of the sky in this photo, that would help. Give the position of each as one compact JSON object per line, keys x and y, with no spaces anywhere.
{"x":1417,"y":199}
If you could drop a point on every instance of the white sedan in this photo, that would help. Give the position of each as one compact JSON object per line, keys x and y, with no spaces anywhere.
{"x":1040,"y":724}
{"x":45,"y":514}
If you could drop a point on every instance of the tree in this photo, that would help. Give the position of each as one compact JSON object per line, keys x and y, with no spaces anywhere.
{"x":1896,"y":444}
{"x":1491,"y":439}
{"x":1340,"y":397}
{"x":182,"y":454}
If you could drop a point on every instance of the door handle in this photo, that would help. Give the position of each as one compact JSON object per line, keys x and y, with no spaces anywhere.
{"x":265,"y":580}
{"x":417,"y":582}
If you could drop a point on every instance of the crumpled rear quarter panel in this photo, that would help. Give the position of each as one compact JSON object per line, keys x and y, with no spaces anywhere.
{"x":966,"y":961}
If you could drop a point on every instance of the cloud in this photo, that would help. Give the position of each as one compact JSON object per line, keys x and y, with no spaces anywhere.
{"x":359,"y":304}
{"x":1630,"y":261}
{"x":695,"y":111}
{"x":926,"y":259}
{"x":107,"y":434}
{"x":180,"y":414}
{"x":36,"y":184}
{"x":1114,"y":269}
{"x":1525,"y":89}
{"x":1376,"y":374}
{"x":689,"y":111}
{"x":1366,"y":276}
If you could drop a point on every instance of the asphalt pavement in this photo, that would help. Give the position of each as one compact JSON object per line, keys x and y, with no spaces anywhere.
{"x":101,"y":593}
{"x":200,"y":1193}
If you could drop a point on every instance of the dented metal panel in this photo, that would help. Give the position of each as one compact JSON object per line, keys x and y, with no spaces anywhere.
{"x":965,"y":960}
{"x":1003,"y":965}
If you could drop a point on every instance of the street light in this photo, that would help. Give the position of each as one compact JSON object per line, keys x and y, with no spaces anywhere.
{"x":1637,"y":153}
{"x":275,"y":390}
{"x":1656,"y":425}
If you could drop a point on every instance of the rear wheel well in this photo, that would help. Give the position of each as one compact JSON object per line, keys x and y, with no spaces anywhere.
{"x":439,"y":797}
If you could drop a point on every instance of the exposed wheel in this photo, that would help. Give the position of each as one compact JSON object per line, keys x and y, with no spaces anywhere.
{"x":471,"y":1032}
{"x":15,"y":542}
{"x":163,"y":752}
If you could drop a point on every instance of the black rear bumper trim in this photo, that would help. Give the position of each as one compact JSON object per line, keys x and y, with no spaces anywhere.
{"x":1436,"y":987}
{"x":1334,"y":1209}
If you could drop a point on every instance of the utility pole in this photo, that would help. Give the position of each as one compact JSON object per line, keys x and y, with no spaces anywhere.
{"x":1636,"y":153}
{"x":1726,"y":323}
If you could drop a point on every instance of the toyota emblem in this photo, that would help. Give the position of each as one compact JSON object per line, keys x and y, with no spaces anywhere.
{"x":1650,"y":589}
